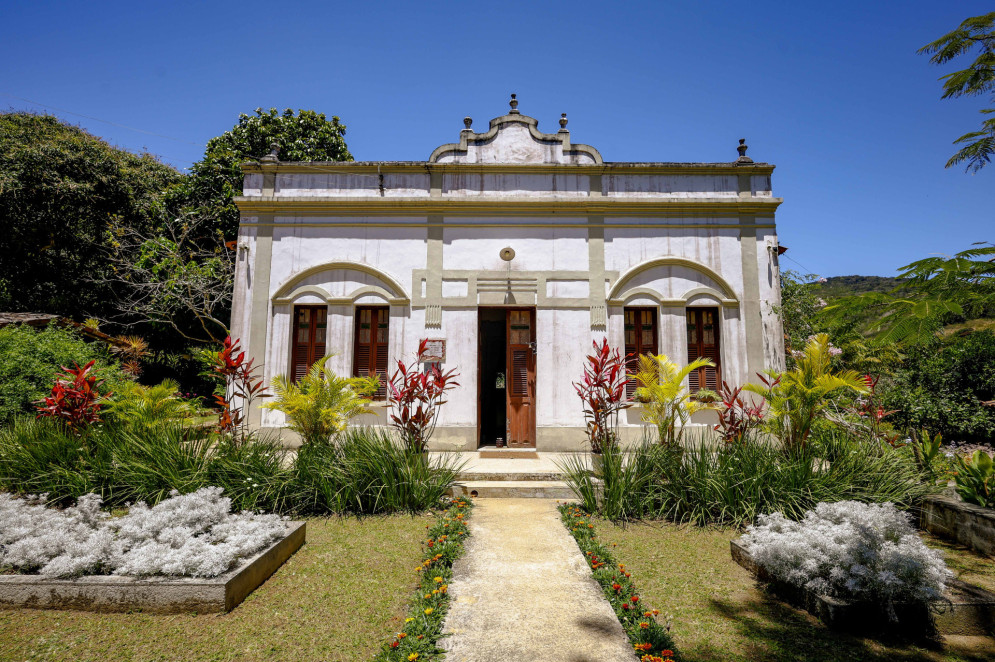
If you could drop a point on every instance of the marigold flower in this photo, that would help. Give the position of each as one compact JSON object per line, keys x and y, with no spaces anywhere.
{"x":409,"y":619}
{"x":643,"y":646}
{"x":413,"y":657}
{"x":438,"y":580}
{"x":625,"y":605}
{"x":429,"y":611}
{"x":402,"y":635}
{"x":635,"y":599}
{"x":647,"y":614}
{"x":667,"y":653}
{"x":428,"y":595}
{"x":644,"y":625}
{"x":395,"y":644}
{"x":656,"y":612}
{"x":617,"y":587}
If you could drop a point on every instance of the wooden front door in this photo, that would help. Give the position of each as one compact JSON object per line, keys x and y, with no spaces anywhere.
{"x":521,"y":379}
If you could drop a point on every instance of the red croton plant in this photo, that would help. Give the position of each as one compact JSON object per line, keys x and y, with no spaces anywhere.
{"x":738,"y":416}
{"x":242,"y":387}
{"x":415,"y":397}
{"x":75,"y":399}
{"x":603,"y":391}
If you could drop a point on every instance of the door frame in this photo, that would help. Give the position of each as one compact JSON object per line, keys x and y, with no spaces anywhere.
{"x":507,"y":344}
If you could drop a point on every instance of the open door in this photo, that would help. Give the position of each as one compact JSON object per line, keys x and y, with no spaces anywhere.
{"x":521,"y":371}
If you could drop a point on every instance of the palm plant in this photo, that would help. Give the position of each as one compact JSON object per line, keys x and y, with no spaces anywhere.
{"x":668,"y":402}
{"x":321,"y":404}
{"x":799,"y":397}
{"x":146,"y":406}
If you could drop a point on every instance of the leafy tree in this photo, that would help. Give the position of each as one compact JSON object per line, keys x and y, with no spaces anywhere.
{"x":944,"y":387}
{"x":178,"y":276}
{"x":935,"y":291}
{"x":977,"y":80}
{"x":59,"y":189}
{"x":217,"y":178}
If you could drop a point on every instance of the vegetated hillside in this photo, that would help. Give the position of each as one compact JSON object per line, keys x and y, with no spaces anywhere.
{"x":844,"y":286}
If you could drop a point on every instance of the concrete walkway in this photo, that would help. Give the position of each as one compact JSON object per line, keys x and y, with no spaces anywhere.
{"x":523,"y":591}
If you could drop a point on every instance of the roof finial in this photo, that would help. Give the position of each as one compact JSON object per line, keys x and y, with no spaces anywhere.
{"x":274,"y":152}
{"x":743,"y":158}
{"x":467,"y":122}
{"x":514,"y":105}
{"x":563,"y":121}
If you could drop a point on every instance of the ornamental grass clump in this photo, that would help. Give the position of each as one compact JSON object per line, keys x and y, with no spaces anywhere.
{"x":852,"y":551}
{"x":193,"y":535}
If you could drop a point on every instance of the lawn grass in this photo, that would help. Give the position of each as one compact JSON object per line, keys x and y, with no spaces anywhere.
{"x":719,"y":614}
{"x":338,"y":598}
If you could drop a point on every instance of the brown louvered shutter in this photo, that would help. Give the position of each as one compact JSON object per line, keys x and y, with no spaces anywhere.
{"x":703,"y":342}
{"x":519,"y":372}
{"x":372,"y":334}
{"x":309,"y":332}
{"x":640,"y":338}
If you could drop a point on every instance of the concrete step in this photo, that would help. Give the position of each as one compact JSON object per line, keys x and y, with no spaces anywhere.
{"x":510,"y":475}
{"x":512,"y":489}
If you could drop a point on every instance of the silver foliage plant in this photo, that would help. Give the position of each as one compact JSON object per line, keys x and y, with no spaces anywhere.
{"x":850,"y":550}
{"x":192,"y":535}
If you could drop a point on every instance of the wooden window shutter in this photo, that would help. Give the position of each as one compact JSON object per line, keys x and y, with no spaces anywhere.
{"x":640,"y":338}
{"x":370,"y":355}
{"x":309,"y":337}
{"x":703,"y":342}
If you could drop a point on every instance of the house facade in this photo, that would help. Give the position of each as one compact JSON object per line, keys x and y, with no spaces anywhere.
{"x":510,"y":251}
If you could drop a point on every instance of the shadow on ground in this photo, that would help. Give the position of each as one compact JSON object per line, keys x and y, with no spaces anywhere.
{"x":780,"y":633}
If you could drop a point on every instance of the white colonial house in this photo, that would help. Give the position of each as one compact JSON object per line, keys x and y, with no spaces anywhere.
{"x":511,"y":250}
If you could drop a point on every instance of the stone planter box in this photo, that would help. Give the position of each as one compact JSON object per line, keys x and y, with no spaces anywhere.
{"x":967,"y":610}
{"x":965,"y":523}
{"x":152,"y":594}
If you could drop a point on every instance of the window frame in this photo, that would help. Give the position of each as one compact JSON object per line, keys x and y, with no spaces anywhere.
{"x":295,"y":342}
{"x":701,"y":375}
{"x":375,"y":347}
{"x":632,"y":364}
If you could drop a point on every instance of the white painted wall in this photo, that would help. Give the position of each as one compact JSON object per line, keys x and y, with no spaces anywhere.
{"x":396,"y":246}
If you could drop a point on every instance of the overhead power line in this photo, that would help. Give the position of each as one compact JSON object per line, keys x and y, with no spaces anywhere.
{"x":97,"y":119}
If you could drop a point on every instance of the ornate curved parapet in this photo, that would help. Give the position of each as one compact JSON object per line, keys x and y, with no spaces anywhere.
{"x":515,"y":138}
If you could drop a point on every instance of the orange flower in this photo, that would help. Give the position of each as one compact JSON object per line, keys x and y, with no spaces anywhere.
{"x":643,"y":647}
{"x":402,"y":635}
{"x":644,"y":625}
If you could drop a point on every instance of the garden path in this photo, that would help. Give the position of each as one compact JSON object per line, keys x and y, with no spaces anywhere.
{"x":523,"y":591}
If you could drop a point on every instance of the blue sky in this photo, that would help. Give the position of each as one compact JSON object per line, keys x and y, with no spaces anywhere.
{"x":832,"y":93}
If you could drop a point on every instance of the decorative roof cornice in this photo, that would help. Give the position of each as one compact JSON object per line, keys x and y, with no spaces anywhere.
{"x":506,"y":206}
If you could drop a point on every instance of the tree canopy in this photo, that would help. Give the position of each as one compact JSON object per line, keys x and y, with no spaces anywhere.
{"x":217,"y":178}
{"x":60,"y":188}
{"x":977,"y":80}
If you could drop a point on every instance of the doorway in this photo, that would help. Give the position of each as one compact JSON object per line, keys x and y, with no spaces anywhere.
{"x":506,"y":388}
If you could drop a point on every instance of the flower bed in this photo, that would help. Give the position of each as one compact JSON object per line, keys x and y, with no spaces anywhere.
{"x":188,"y":553}
{"x":851,"y":551}
{"x":649,"y":638}
{"x":193,"y":535}
{"x":970,"y":525}
{"x":418,"y":639}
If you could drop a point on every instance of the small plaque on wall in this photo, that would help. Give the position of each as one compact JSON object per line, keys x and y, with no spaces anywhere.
{"x":435,"y":351}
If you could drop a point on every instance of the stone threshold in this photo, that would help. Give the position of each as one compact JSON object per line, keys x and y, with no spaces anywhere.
{"x":967,"y":610}
{"x":164,"y":595}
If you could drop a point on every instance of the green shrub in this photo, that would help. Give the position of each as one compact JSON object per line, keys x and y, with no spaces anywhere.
{"x":30,"y":360}
{"x":975,"y":478}
{"x":941,"y":387}
{"x":147,"y":406}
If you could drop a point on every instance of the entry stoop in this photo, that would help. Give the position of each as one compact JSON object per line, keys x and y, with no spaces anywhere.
{"x":535,"y":477}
